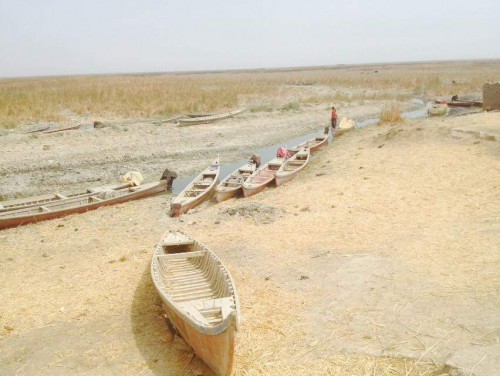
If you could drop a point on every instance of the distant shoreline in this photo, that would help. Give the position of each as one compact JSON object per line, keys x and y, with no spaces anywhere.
{"x":258,"y":70}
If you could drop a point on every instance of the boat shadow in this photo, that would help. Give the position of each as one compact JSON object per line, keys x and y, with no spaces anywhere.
{"x":163,"y":354}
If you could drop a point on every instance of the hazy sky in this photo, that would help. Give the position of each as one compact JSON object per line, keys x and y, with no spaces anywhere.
{"x":110,"y":36}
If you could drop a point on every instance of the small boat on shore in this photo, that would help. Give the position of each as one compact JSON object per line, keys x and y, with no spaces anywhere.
{"x":199,"y":190}
{"x":207,"y":119}
{"x":460,"y":103}
{"x":231,"y":185}
{"x":291,"y":167}
{"x":199,"y":298}
{"x":315,"y":144}
{"x":21,"y":212}
{"x":345,"y":125}
{"x":261,"y":178}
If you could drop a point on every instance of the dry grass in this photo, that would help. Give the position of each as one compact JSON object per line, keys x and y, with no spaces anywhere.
{"x":391,"y":114}
{"x":141,"y":96}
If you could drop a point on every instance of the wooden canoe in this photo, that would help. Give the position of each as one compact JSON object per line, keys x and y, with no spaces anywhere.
{"x":261,"y":178}
{"x":291,"y":167}
{"x":73,"y":128}
{"x":199,"y":298}
{"x":92,"y":200}
{"x":208,"y":119}
{"x":199,"y":190}
{"x":344,"y":126}
{"x":55,"y":197}
{"x":315,"y":144}
{"x":231,"y":185}
{"x":459,"y":103}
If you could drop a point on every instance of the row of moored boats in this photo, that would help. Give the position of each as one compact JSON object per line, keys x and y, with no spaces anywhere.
{"x":248,"y":179}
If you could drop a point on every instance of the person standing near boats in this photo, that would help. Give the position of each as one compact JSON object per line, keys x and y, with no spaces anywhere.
{"x":334,"y":118}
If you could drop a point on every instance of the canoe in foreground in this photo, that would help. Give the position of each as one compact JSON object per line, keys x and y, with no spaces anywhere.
{"x":291,"y":167}
{"x":208,"y":119}
{"x":261,"y":178}
{"x":231,"y":185}
{"x":199,"y":298}
{"x":315,"y":144}
{"x":200,"y":189}
{"x":90,"y":200}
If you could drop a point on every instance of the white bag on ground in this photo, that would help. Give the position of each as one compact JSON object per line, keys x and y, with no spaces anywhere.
{"x":132,"y":178}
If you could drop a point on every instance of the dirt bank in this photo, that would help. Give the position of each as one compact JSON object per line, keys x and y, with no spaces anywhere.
{"x":380,"y":258}
{"x":42,"y":163}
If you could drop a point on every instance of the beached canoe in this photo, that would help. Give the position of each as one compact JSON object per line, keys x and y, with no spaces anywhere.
{"x":261,"y":178}
{"x":41,"y":208}
{"x":199,"y":190}
{"x":315,"y":144}
{"x":231,"y":185}
{"x":460,"y":103}
{"x":345,"y":125}
{"x":291,"y":167}
{"x":207,"y":119}
{"x":55,"y":197}
{"x":199,"y":298}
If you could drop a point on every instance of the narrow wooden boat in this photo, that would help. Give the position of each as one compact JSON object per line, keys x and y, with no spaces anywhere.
{"x":231,"y":185}
{"x":460,"y":103}
{"x":73,"y":128}
{"x":291,"y":167}
{"x":200,"y":189}
{"x":208,"y":119}
{"x":199,"y":298}
{"x":54,"y":197}
{"x":315,"y":144}
{"x":38,"y":130}
{"x":345,"y":125}
{"x":198,"y":115}
{"x":261,"y":178}
{"x":49,"y":208}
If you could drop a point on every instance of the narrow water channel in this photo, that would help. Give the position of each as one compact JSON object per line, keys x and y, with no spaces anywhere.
{"x":269,"y":152}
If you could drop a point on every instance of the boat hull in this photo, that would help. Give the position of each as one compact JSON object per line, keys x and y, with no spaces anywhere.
{"x":207,"y":119}
{"x":341,"y":131}
{"x":199,"y":298}
{"x":201,"y":189}
{"x":43,"y":216}
{"x":179,"y":209}
{"x":217,"y":351}
{"x":226,"y":195}
{"x":250,"y":191}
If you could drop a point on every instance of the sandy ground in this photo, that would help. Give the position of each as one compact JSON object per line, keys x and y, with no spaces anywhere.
{"x":380,"y":258}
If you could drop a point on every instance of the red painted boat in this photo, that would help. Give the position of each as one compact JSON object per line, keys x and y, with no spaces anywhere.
{"x":261,"y":178}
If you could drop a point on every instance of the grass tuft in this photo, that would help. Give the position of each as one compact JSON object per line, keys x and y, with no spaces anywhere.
{"x":391,"y":114}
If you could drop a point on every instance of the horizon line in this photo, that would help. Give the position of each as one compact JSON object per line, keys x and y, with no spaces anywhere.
{"x":250,"y":70}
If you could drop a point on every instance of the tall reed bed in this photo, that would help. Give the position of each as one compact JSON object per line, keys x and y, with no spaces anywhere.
{"x":140,"y":96}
